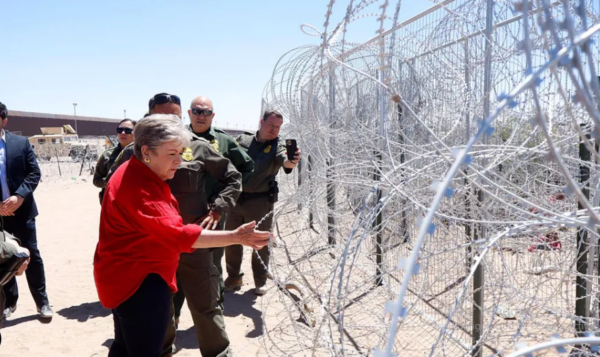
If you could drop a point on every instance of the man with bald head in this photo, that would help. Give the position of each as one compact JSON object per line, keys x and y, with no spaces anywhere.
{"x":201,"y":115}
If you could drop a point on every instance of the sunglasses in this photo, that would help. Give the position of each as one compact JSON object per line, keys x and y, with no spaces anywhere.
{"x":124,"y":130}
{"x":205,"y":112}
{"x":164,"y":99}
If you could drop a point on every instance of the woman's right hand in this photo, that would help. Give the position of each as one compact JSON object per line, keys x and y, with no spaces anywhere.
{"x":246,"y":235}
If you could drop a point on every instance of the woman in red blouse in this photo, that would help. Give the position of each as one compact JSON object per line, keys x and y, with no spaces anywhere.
{"x":142,"y":235}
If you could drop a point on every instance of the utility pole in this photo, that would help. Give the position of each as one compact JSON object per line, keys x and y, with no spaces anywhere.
{"x":75,"y":114}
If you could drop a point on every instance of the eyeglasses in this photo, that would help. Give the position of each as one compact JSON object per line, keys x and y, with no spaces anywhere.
{"x":164,"y":98}
{"x":205,"y":112}
{"x":124,"y":130}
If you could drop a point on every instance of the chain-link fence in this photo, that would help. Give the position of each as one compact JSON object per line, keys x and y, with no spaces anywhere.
{"x":381,"y":124}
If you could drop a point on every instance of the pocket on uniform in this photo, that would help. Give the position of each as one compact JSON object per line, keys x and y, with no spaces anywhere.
{"x":188,"y":177}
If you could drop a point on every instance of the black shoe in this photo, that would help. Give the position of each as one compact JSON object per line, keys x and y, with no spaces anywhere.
{"x":45,"y":312}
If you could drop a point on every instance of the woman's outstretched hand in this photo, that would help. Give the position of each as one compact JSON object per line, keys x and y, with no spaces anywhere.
{"x":251,"y":238}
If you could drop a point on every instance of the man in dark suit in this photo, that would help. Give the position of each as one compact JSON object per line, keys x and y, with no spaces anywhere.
{"x":19,"y":176}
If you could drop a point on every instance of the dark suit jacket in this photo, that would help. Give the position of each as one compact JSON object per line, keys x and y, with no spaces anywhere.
{"x":22,"y":173}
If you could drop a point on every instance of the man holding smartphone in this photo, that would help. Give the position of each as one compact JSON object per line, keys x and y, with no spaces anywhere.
{"x":259,"y":194}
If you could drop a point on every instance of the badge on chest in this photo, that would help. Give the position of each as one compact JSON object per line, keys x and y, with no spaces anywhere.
{"x":188,"y":154}
{"x":267,"y":149}
{"x":215,"y":145}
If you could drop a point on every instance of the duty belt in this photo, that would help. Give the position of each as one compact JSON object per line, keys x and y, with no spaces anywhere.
{"x":251,"y":195}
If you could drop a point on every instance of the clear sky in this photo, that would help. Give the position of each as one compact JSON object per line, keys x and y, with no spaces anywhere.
{"x":113,"y":55}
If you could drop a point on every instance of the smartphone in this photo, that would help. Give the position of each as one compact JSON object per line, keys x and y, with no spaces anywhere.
{"x":291,"y":146}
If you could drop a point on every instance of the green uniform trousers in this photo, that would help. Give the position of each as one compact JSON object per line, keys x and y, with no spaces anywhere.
{"x":248,"y":210}
{"x":217,"y":256}
{"x":200,"y":281}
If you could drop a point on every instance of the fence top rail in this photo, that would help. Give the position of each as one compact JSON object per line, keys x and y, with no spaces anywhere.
{"x":369,"y":42}
{"x":478,"y":33}
{"x":397,"y":27}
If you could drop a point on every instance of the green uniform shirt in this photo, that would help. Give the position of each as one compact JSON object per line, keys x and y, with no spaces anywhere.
{"x":125,"y":155}
{"x":103,"y":166}
{"x":226,"y":146}
{"x":204,"y":160}
{"x":268,"y":157}
{"x":200,"y":160}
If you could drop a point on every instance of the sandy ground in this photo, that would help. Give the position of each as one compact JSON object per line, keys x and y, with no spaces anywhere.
{"x":257,"y":326}
{"x":67,"y":235}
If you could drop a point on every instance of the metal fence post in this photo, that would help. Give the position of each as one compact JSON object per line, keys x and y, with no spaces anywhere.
{"x":581,"y":290}
{"x":57,"y":159}
{"x":377,"y":178}
{"x":404,"y":238}
{"x":403,"y":214}
{"x":468,"y":227}
{"x":299,"y":168}
{"x":478,"y":276}
{"x":83,"y":158}
{"x":310,"y":205}
{"x":330,"y":173}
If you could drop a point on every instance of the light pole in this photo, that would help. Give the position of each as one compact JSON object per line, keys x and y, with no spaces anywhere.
{"x":75,"y":114}
{"x":124,"y":113}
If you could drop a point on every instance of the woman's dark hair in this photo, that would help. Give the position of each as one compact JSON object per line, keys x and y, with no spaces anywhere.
{"x":127,"y":120}
{"x":268,"y":113}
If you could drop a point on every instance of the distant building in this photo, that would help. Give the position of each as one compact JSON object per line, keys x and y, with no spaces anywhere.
{"x":30,"y":124}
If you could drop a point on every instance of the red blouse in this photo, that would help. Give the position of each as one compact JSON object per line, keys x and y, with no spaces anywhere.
{"x":141,"y":232}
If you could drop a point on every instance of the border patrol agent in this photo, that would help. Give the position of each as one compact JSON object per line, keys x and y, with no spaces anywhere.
{"x":201,"y":114}
{"x":258,"y":197}
{"x":198,"y":278}
{"x":108,"y":157}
